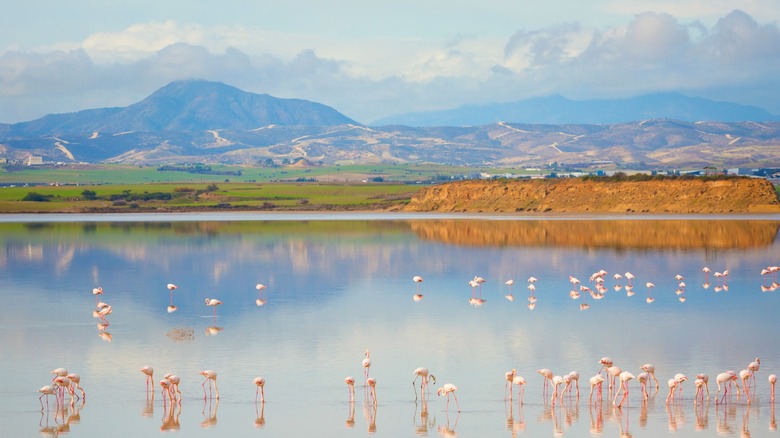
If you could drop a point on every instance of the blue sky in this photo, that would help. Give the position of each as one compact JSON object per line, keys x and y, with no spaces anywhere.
{"x":374,"y":58}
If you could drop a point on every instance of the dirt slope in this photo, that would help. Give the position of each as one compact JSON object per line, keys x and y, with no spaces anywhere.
{"x":737,"y":195}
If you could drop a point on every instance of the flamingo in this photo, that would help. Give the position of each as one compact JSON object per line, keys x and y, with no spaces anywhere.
{"x":366,"y":365}
{"x":753,"y":367}
{"x":213,"y":302}
{"x":706,"y":379}
{"x":672,"y":387}
{"x":744,"y":375}
{"x":65,"y":384}
{"x":350,"y":381}
{"x":772,"y":381}
{"x":509,"y":283}
{"x":624,"y":377}
{"x":650,"y":369}
{"x":371,"y":382}
{"x":423,"y":373}
{"x":520,"y":381}
{"x":510,"y":377}
{"x":680,"y":378}
{"x":260,"y":301}
{"x":650,"y":286}
{"x":643,"y":379}
{"x":447,"y":389}
{"x":175,"y":380}
{"x":166,"y":385}
{"x":548,"y":376}
{"x":97,"y":291}
{"x":575,"y":376}
{"x":149,"y":371}
{"x":614,"y":374}
{"x":725,"y":378}
{"x":75,"y":380}
{"x":260,"y":384}
{"x":595,"y":382}
{"x":706,"y":271}
{"x":556,"y":381}
{"x":605,"y":362}
{"x":629,"y":276}
{"x":699,"y":383}
{"x":46,"y":391}
{"x":211,"y":376}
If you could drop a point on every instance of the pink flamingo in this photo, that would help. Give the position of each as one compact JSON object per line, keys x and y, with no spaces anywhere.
{"x":772,"y":381}
{"x":211,"y":376}
{"x":548,"y":376}
{"x":371,"y":382}
{"x":596,"y":382}
{"x":520,"y":381}
{"x":149,"y":371}
{"x":624,"y":377}
{"x":366,"y":365}
{"x":725,"y":378}
{"x":425,"y":377}
{"x":350,"y":381}
{"x":605,"y":362}
{"x":706,"y":379}
{"x":260,"y":384}
{"x":46,"y":391}
{"x":96,"y":292}
{"x":650,"y":369}
{"x":260,"y":301}
{"x":556,"y":381}
{"x":744,"y":375}
{"x":417,"y":279}
{"x":672,"y":387}
{"x":643,"y":379}
{"x":447,"y":389}
{"x":213,"y":302}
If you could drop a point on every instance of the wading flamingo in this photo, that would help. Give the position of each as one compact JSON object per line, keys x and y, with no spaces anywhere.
{"x":624,"y":377}
{"x":260,"y":387}
{"x":706,"y":379}
{"x":548,"y":375}
{"x":213,"y":302}
{"x":650,"y":369}
{"x":211,"y":377}
{"x":605,"y":362}
{"x":371,"y":382}
{"x":520,"y":381}
{"x":510,"y":377}
{"x":744,"y":375}
{"x":96,"y":292}
{"x":556,"y":381}
{"x":350,"y":381}
{"x":425,"y":377}
{"x":149,"y":371}
{"x":772,"y":381}
{"x":46,"y":391}
{"x":595,"y":382}
{"x":672,"y":387}
{"x":724,"y":378}
{"x":366,"y":365}
{"x":447,"y":389}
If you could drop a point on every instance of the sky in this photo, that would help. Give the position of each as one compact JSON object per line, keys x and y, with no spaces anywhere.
{"x":374,"y":58}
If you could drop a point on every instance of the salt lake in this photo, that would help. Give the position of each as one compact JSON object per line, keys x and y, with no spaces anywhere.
{"x":338,"y":285}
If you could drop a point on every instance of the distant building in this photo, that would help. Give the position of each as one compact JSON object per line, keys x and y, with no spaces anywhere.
{"x":33,"y":160}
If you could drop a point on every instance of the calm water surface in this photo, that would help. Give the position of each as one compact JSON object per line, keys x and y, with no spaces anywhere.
{"x":340,"y":285}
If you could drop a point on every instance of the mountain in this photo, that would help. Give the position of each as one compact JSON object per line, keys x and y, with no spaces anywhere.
{"x":557,"y":109}
{"x":209,"y":122}
{"x":182,"y":106}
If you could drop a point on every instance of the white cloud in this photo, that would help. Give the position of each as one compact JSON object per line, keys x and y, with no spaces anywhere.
{"x":734,"y":58}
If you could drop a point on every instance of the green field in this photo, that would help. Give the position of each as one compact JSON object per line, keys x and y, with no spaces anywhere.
{"x":200,"y":196}
{"x":124,"y":174}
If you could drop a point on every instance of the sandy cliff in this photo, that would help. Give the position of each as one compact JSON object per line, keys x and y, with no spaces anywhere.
{"x":738,"y":195}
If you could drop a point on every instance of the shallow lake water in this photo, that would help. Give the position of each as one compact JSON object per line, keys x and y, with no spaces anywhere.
{"x":340,"y":285}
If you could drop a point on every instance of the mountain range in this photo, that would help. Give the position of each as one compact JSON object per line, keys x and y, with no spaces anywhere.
{"x":557,"y":109}
{"x":210,"y":122}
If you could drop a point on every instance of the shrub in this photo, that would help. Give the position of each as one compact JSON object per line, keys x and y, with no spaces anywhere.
{"x":89,"y":195}
{"x":36,"y":197}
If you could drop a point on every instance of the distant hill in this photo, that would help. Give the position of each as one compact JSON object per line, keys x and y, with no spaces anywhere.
{"x":182,"y":106}
{"x":557,"y":109}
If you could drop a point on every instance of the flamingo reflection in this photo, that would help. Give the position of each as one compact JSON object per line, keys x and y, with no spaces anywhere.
{"x":170,"y":418}
{"x":211,"y":419}
{"x":425,"y":421}
{"x":350,"y":422}
{"x":446,"y":430}
{"x":260,"y":415}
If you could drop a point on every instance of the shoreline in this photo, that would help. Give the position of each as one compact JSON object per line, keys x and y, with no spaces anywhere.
{"x":373,"y":215}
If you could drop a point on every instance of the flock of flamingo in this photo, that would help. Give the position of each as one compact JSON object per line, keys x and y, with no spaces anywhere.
{"x":618,"y":379}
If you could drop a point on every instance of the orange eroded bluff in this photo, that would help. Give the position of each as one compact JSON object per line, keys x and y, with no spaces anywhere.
{"x":733,"y":195}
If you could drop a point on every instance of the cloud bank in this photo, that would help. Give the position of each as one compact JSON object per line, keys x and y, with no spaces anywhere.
{"x":737,"y":58}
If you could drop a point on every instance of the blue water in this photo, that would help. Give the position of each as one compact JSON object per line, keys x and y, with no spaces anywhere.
{"x":338,"y":285}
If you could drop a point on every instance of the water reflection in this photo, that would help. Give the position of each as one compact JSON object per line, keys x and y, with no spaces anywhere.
{"x":210,"y":418}
{"x":260,"y":414}
{"x":342,"y":286}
